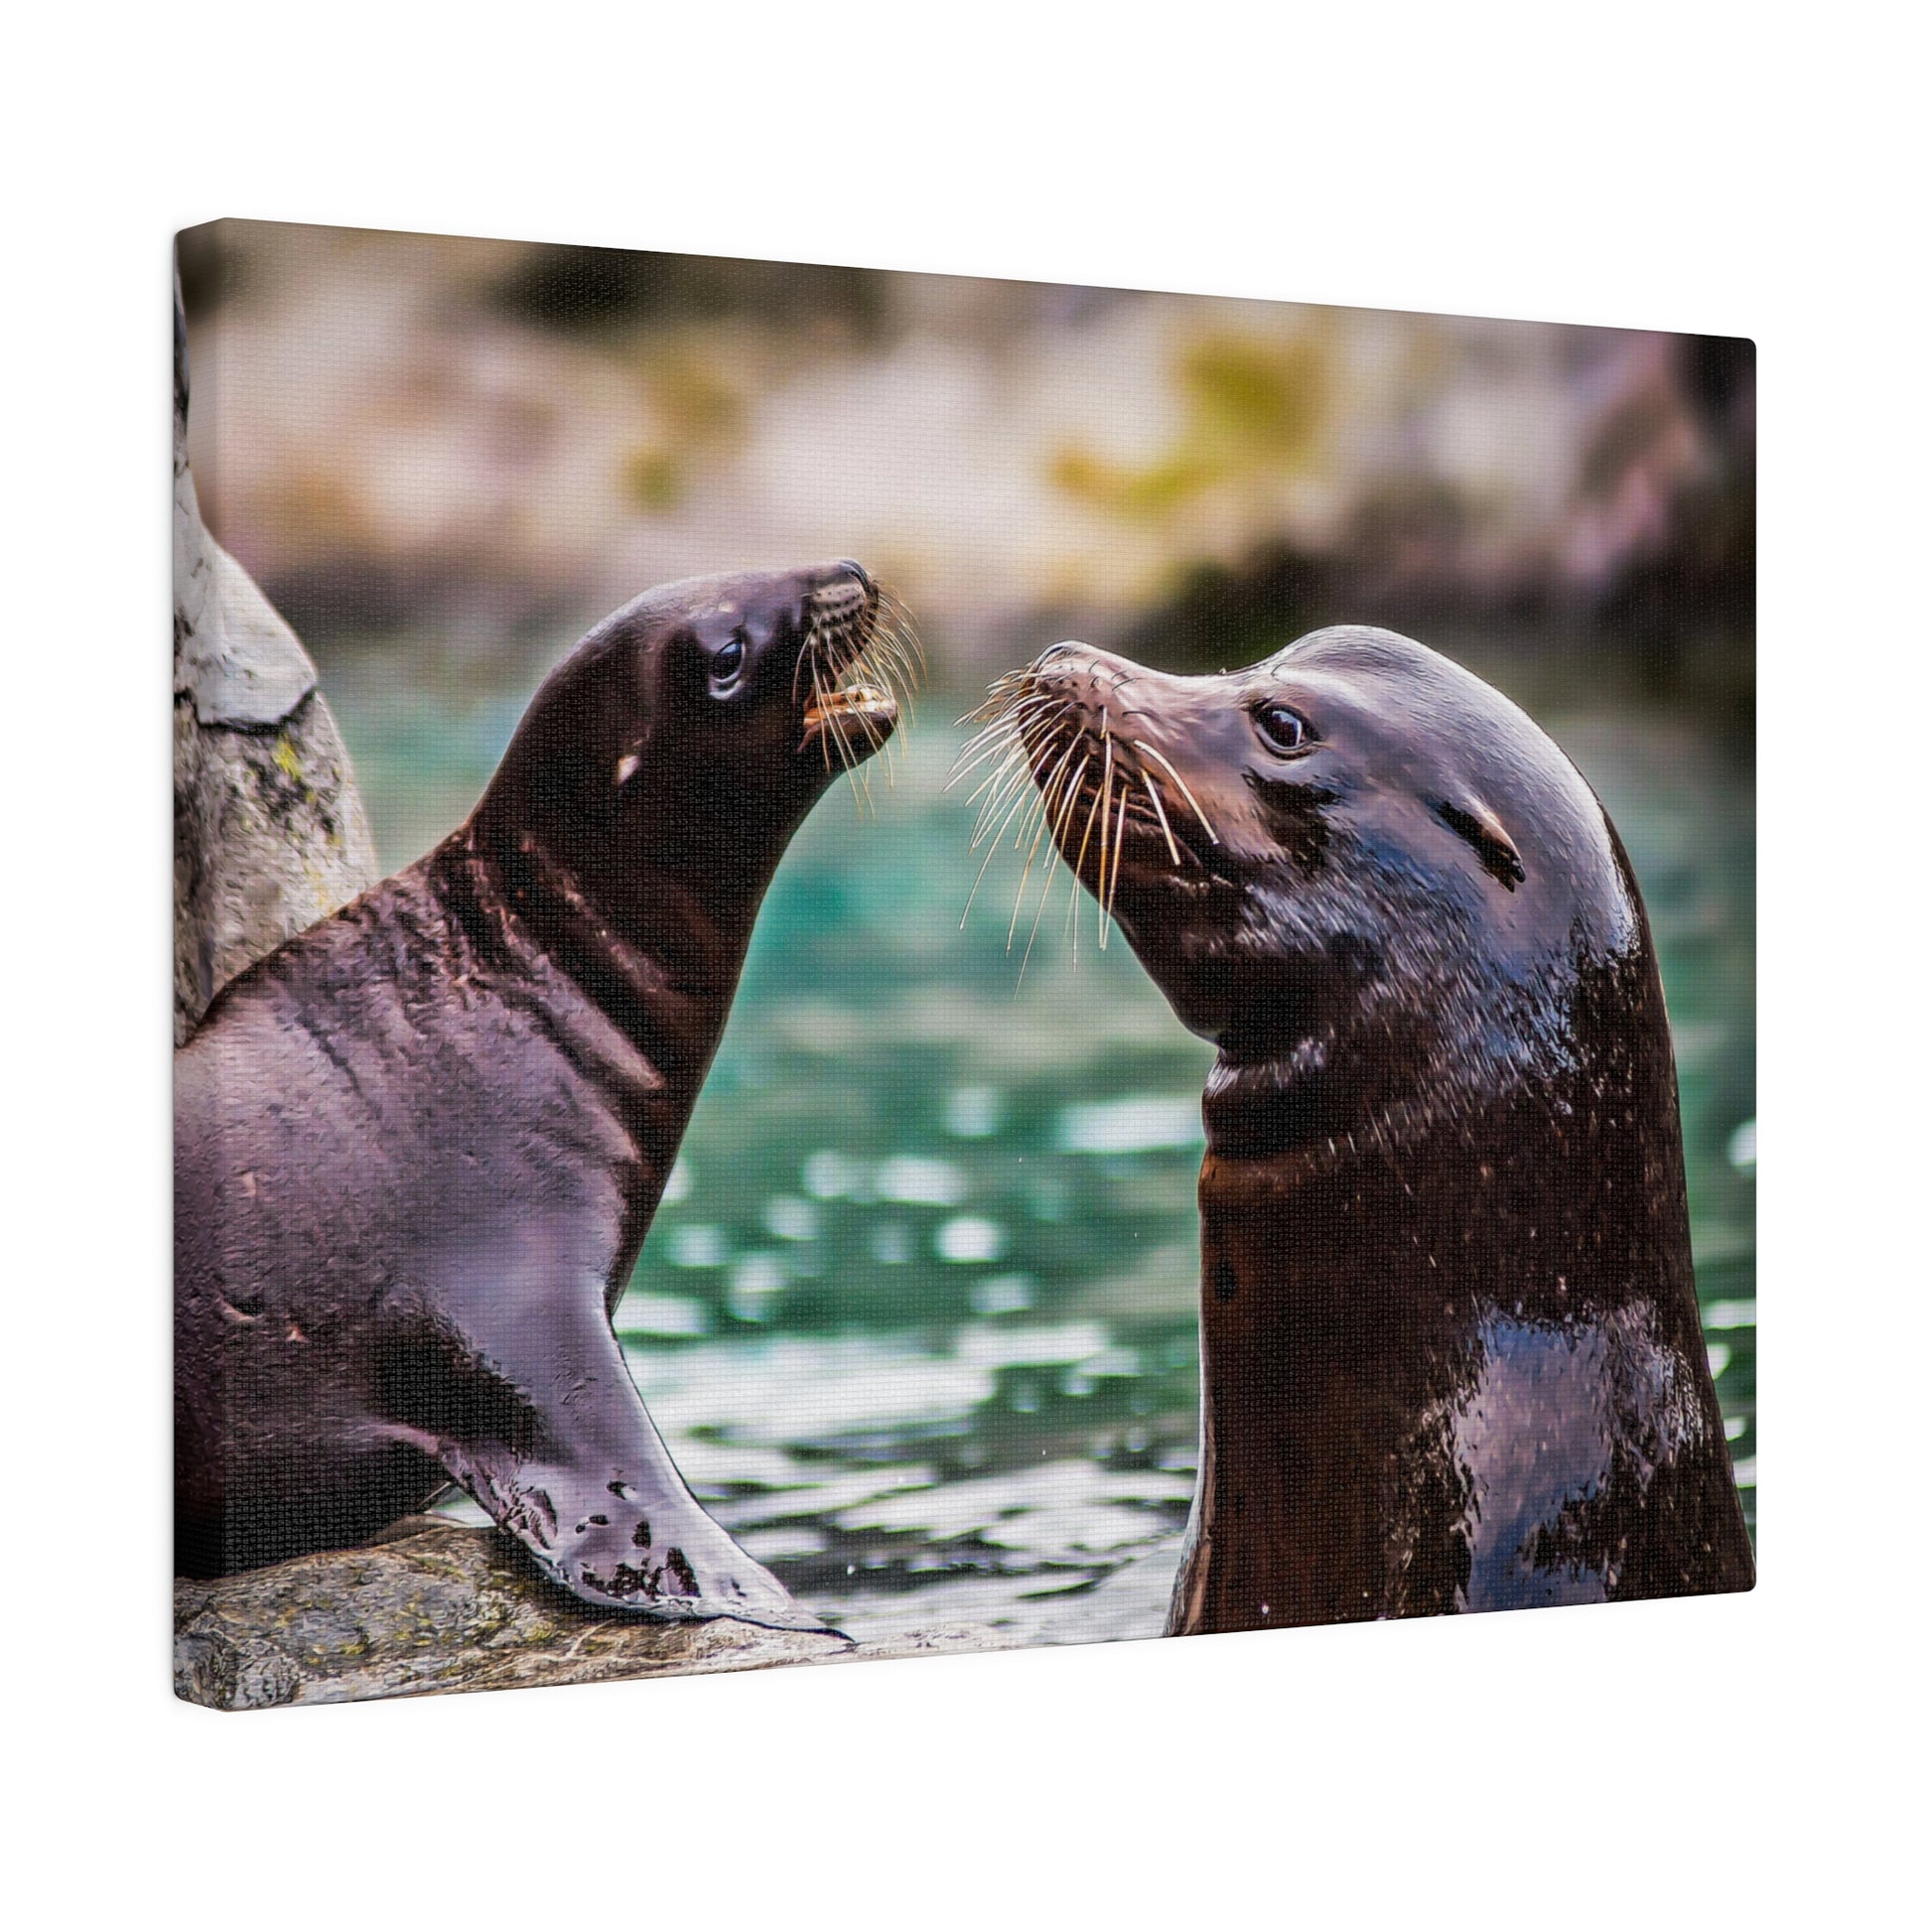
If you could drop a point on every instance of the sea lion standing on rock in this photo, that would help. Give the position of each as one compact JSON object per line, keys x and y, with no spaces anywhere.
{"x":418,"y":1147}
{"x":1450,"y":1350}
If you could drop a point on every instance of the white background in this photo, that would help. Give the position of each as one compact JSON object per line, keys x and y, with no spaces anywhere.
{"x":1657,"y":1765}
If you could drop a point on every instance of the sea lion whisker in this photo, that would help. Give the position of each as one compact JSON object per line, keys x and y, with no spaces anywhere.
{"x":865,"y":725}
{"x":991,"y":847}
{"x":1027,"y":697}
{"x":1159,"y":810}
{"x":903,"y":622}
{"x":1011,"y":751}
{"x":1043,"y":736}
{"x":994,"y":706}
{"x":1100,"y":882}
{"x":864,"y":779}
{"x":1037,"y":804}
{"x":1120,"y":845}
{"x":899,"y":620}
{"x":1032,"y":716}
{"x":889,"y":761}
{"x":860,"y":659}
{"x":851,"y":777}
{"x":1022,"y":761}
{"x":1085,"y":836}
{"x":1050,"y":782}
{"x":1020,"y":897}
{"x":836,"y":720}
{"x":1069,"y":797}
{"x":1045,"y":795}
{"x":821,"y":653}
{"x":977,"y":752}
{"x":906,"y":638}
{"x":1140,"y":745}
{"x":1009,"y":783}
{"x":1015,"y":788}
{"x":978,"y":743}
{"x":1106,"y":812}
{"x":1017,"y":714}
{"x":999,"y":809}
{"x":858,"y":667}
{"x":1003,"y":729}
{"x":883,"y":657}
{"x":828,"y":726}
{"x":1074,"y":789}
{"x":991,"y":716}
{"x":824,"y":737}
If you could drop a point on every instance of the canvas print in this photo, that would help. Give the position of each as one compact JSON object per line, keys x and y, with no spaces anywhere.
{"x":874,"y":963}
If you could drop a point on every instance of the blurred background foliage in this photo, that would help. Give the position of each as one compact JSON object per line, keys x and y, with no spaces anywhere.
{"x":918,"y":1313}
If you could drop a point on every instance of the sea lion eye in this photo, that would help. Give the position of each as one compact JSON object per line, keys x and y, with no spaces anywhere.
{"x":728,"y":660}
{"x":1282,"y":728}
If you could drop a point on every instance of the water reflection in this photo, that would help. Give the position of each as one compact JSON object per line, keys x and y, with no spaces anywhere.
{"x":891,"y":1484}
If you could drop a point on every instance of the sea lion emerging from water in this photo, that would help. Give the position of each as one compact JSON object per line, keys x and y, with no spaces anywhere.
{"x":418,"y":1147}
{"x":1451,"y":1352}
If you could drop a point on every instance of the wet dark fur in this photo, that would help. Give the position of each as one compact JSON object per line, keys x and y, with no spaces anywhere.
{"x":1450,"y":1350}
{"x":418,"y":1148}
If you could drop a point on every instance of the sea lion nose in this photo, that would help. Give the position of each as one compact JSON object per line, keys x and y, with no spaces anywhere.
{"x":1078,"y":672}
{"x":834,"y":591}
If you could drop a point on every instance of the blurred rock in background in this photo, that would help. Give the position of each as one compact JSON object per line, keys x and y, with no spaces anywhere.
{"x":501,"y":439}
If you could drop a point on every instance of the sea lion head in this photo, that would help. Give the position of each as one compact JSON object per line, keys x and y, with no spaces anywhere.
{"x":1354,"y":847}
{"x":689,"y":733}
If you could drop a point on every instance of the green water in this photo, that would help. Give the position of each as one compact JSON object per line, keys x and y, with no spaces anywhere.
{"x":916,"y":1317}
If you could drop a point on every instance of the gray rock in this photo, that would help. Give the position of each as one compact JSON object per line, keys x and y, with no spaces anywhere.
{"x":440,"y":1606}
{"x":270,"y":834}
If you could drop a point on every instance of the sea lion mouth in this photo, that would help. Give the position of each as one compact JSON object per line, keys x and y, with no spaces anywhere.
{"x":864,"y":703}
{"x":861,"y":662}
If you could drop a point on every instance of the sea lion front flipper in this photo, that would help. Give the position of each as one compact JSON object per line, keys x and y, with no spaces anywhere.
{"x":536,"y":1415}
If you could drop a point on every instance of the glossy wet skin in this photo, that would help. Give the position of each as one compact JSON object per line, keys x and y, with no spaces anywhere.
{"x":418,"y":1148}
{"x":1451,"y":1348}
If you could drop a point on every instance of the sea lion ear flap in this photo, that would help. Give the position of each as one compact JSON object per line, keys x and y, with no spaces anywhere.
{"x":1483,"y":831}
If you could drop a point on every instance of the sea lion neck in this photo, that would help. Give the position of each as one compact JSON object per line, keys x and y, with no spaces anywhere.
{"x":688,"y":909}
{"x":660,"y":964}
{"x":1390,"y":1315}
{"x":1339,"y":1049}
{"x":1262,"y":1104}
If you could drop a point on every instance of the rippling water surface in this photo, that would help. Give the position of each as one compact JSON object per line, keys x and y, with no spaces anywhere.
{"x":916,"y":1317}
